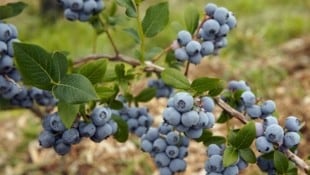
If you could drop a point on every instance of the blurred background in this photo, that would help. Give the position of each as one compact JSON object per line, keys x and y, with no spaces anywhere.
{"x":270,"y":49}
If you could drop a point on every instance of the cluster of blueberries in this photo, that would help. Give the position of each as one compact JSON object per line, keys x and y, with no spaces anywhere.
{"x":162,"y":90}
{"x":138,"y":119}
{"x":270,"y":135}
{"x":211,"y":36}
{"x":81,"y":10}
{"x":9,"y":76}
{"x":56,"y":135}
{"x":214,"y":164}
{"x":187,"y":117}
{"x":167,"y":147}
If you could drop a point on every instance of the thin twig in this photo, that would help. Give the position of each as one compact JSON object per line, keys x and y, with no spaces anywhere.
{"x":112,"y":42}
{"x":158,"y":56}
{"x":119,"y":57}
{"x":234,"y":113}
{"x":299,"y":162}
{"x":187,"y":68}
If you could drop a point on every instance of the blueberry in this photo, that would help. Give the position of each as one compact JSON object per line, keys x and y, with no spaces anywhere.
{"x":14,"y":32}
{"x":274,"y":133}
{"x":173,"y":138}
{"x":100,"y":6}
{"x":222,"y":42}
{"x":181,"y":54}
{"x":172,"y":151}
{"x":248,"y":98}
{"x":264,"y":164}
{"x":203,"y":120}
{"x":268,"y":107}
{"x":195,"y":59}
{"x":133,"y":112}
{"x":214,"y":164}
{"x":183,"y":102}
{"x":161,"y":160}
{"x":14,"y":74}
{"x":159,"y":145}
{"x":165,"y":128}
{"x":146,"y":146}
{"x":5,"y":32}
{"x":182,"y":152}
{"x":71,"y":136}
{"x":206,"y":36}
{"x":194,"y":133}
{"x":207,"y":48}
{"x":211,"y":120}
{"x":61,"y":148}
{"x":231,"y":21}
{"x":100,"y":116}
{"x":140,"y":131}
{"x":177,"y":165}
{"x":263,"y":145}
{"x":193,"y":48}
{"x":6,"y":64}
{"x":291,"y":139}
{"x":71,"y":15}
{"x":221,"y":15}
{"x":231,"y":170}
{"x":65,"y":3}
{"x":84,"y":16}
{"x":132,"y":124}
{"x":12,"y":89}
{"x":46,"y":139}
{"x":292,"y":123}
{"x":76,"y":4}
{"x":214,"y":149}
{"x":56,"y":123}
{"x":190,"y":118}
{"x":165,"y":171}
{"x":113,"y":125}
{"x":233,"y":85}
{"x":87,"y":129}
{"x":184,"y":37}
{"x":210,"y":9}
{"x":152,"y":134}
{"x":102,"y":132}
{"x":211,"y":27}
{"x":89,"y":6}
{"x":3,"y":48}
{"x":185,"y":141}
{"x":242,"y":164}
{"x":172,"y":116}
{"x":207,"y":103}
{"x":254,"y":111}
{"x":269,"y":121}
{"x":224,"y":29}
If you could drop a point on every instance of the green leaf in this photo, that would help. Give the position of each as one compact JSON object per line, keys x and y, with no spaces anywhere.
{"x":245,"y":136}
{"x":115,"y":104}
{"x":206,"y":84}
{"x":205,"y":136}
{"x":175,"y":78}
{"x":36,"y":65}
{"x":146,"y":95}
{"x":105,"y":92}
{"x":248,"y":155}
{"x":11,"y":9}
{"x":130,"y":7}
{"x":191,"y":17}
{"x":230,"y":156}
{"x":120,"y":71}
{"x":280,"y":162}
{"x":121,"y":134}
{"x":67,"y":112}
{"x":215,"y":139}
{"x":60,"y":66}
{"x":94,"y":71}
{"x":133,"y":33}
{"x":75,"y":88}
{"x":224,"y":117}
{"x":215,"y":92}
{"x":155,"y":19}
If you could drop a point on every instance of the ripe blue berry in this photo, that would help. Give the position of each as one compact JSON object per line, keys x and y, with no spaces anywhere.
{"x":183,"y":102}
{"x":203,"y":120}
{"x":184,"y":37}
{"x":177,"y":165}
{"x":291,"y":139}
{"x":231,"y":170}
{"x":214,"y":149}
{"x":5,"y":32}
{"x":207,"y":48}
{"x":214,"y":164}
{"x":146,"y":146}
{"x":87,"y":129}
{"x":6,"y":64}
{"x":193,"y":48}
{"x":231,"y":21}
{"x":100,"y":116}
{"x":224,"y":29}
{"x":61,"y":148}
{"x":194,"y":133}
{"x":211,"y":120}
{"x":46,"y":139}
{"x":248,"y":98}
{"x":210,"y":9}
{"x":263,"y":145}
{"x":165,"y":171}
{"x":159,"y":145}
{"x":3,"y":48}
{"x":190,"y":118}
{"x":207,"y":104}
{"x":195,"y":59}
{"x":173,"y":138}
{"x":268,"y":107}
{"x":259,"y":129}
{"x":292,"y":123}
{"x":181,"y":54}
{"x":56,"y":124}
{"x":221,"y":14}
{"x":269,"y":121}
{"x":172,"y":151}
{"x":162,"y":160}
{"x":71,"y":136}
{"x":211,"y":27}
{"x":274,"y":133}
{"x":152,"y":134}
{"x":254,"y":111}
{"x":102,"y":132}
{"x":89,"y":6}
{"x":172,"y":116}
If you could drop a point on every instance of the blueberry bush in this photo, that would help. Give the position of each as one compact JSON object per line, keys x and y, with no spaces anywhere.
{"x":79,"y":99}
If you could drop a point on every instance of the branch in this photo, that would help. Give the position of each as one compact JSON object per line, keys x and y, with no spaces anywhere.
{"x":233,"y":112}
{"x":299,"y":162}
{"x":121,"y":58}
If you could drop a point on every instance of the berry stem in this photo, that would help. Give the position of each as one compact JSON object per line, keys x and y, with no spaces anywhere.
{"x":195,"y":35}
{"x":112,"y":42}
{"x":158,"y":56}
{"x":187,"y":68}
